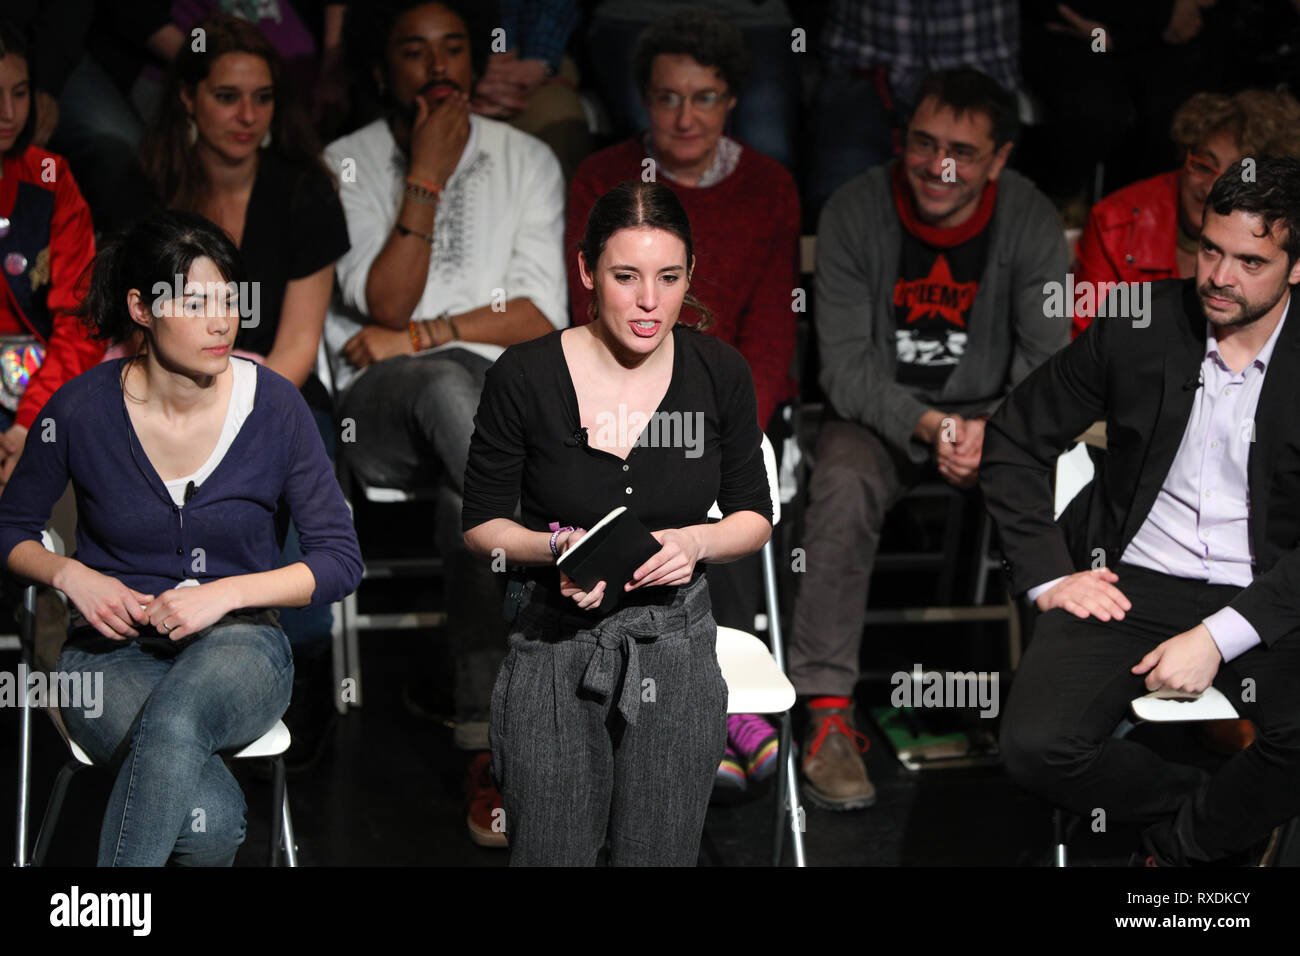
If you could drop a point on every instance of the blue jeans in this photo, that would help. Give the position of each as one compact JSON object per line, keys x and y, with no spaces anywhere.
{"x":166,"y":719}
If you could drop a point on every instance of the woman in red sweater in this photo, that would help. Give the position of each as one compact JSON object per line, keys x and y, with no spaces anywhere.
{"x":46,"y":240}
{"x":744,"y":212}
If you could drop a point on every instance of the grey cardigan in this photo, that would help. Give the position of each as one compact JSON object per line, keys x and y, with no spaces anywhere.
{"x":1008,"y":333}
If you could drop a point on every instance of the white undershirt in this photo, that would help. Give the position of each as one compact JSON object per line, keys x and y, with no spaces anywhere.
{"x":241,"y":404}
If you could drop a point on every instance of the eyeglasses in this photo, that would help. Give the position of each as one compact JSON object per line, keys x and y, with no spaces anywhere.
{"x":705,"y":100}
{"x":1201,"y":166}
{"x":922,"y":145}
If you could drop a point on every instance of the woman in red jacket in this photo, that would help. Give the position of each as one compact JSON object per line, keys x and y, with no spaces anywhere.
{"x":1150,"y":229}
{"x":46,"y":241}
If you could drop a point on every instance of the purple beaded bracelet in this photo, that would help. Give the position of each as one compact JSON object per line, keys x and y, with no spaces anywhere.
{"x":556,"y":531}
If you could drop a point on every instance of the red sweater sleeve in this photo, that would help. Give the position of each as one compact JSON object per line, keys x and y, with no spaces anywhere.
{"x":765,"y":330}
{"x":70,"y":350}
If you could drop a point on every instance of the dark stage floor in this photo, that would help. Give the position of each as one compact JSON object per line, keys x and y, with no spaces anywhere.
{"x":388,"y":792}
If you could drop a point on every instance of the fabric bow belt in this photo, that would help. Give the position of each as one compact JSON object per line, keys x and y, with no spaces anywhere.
{"x":602,"y":670}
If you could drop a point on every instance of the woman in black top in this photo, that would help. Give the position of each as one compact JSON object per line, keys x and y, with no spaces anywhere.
{"x":611,"y":726}
{"x":232,"y":143}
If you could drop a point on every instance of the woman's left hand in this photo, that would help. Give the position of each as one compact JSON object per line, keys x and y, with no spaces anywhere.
{"x":181,"y":612}
{"x":674,"y":564}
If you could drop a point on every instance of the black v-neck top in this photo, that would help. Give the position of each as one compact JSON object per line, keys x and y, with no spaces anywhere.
{"x":702,"y":445}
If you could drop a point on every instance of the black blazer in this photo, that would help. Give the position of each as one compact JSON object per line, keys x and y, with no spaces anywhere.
{"x":1143,"y":382}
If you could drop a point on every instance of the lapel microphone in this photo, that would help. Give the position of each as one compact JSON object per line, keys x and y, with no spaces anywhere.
{"x":578,"y":439}
{"x":1192,"y":384}
{"x":189,"y":492}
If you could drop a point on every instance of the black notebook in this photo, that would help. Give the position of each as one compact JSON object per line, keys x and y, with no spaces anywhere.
{"x":609,"y":552}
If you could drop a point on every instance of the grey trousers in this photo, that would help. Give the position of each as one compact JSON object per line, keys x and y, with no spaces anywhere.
{"x":414,"y":416}
{"x":856,"y":479}
{"x":609,"y":729}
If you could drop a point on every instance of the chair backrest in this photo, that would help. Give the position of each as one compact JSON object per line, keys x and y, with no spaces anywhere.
{"x":773,"y":484}
{"x":323,"y":370}
{"x":1072,"y":241}
{"x":1074,"y":470}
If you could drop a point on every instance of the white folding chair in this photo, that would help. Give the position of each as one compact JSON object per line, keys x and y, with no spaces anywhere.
{"x":348,"y":620}
{"x":272,"y":744}
{"x":756,"y":680}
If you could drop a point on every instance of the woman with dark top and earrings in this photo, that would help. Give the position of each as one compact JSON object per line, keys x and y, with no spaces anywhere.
{"x":184,"y":461}
{"x":609,"y":727}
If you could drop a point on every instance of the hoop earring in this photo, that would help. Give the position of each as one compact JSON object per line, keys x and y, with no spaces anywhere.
{"x":266,"y":140}
{"x":191,"y":131}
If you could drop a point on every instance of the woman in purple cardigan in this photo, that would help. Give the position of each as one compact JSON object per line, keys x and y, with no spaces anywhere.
{"x":186,"y":464}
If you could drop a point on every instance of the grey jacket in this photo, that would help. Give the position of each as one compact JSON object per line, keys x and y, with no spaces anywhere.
{"x":1008,"y":333}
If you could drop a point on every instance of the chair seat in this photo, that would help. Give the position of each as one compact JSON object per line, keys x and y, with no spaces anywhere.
{"x":79,"y":754}
{"x":755,"y":685}
{"x":1211,"y":705}
{"x":271,"y":744}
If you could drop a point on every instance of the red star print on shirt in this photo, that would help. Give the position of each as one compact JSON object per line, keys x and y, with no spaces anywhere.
{"x":937,"y":294}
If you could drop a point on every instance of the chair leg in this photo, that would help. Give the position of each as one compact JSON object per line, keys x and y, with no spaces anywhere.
{"x":45,"y":836}
{"x":24,"y":783}
{"x":782,"y":782}
{"x":339,"y":655}
{"x":787,"y":796}
{"x":1059,"y":850}
{"x":290,"y":846}
{"x":277,"y":809}
{"x":353,"y":651}
{"x":797,"y":817}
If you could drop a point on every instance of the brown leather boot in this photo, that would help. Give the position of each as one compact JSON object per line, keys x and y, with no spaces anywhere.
{"x":835,"y":775}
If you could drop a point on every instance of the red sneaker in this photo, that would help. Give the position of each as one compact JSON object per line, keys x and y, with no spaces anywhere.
{"x":487,"y":816}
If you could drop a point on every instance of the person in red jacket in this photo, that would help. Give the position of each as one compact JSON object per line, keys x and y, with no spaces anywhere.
{"x":744,"y":212}
{"x":46,"y":241}
{"x":1150,"y":229}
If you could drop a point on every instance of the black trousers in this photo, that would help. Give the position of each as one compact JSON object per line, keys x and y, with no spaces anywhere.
{"x":1074,"y":687}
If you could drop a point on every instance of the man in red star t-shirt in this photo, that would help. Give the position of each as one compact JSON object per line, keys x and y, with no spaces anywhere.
{"x":930,"y":306}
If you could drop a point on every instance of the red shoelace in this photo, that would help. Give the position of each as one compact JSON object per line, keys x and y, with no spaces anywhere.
{"x":836,"y":722}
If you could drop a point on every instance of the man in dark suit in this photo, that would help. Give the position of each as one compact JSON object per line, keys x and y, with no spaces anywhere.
{"x":1188,"y":537}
